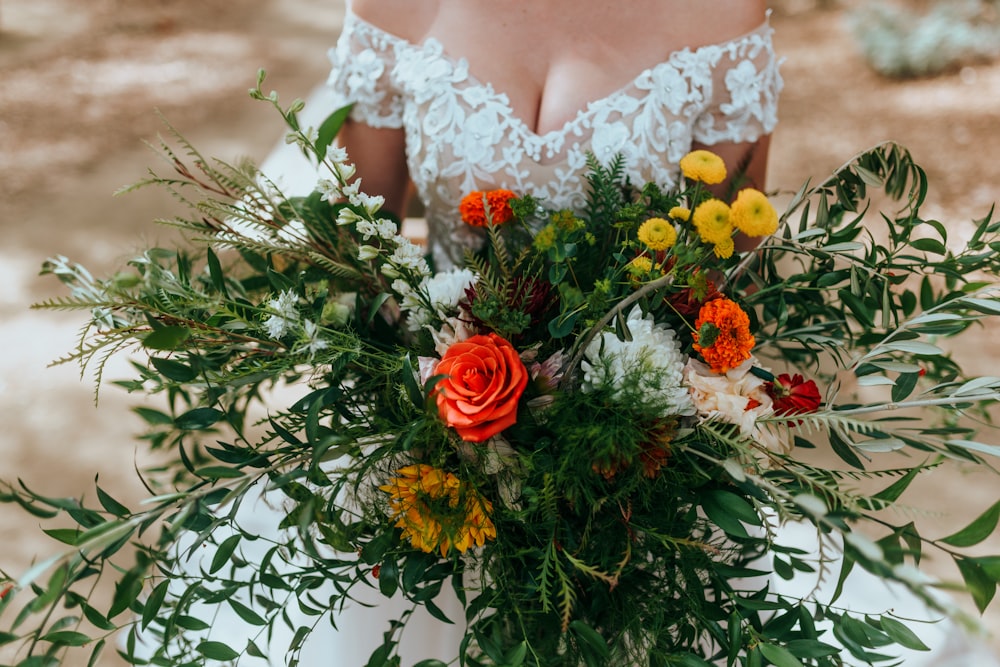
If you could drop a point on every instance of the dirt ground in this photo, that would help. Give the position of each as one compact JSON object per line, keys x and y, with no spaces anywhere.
{"x":81,"y":81}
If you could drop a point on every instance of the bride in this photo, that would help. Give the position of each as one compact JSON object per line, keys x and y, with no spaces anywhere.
{"x":459,"y":95}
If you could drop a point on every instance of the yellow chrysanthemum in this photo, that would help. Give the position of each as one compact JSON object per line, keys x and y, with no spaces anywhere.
{"x":657,"y":234}
{"x":640,"y":266}
{"x":753,"y":214}
{"x":711,"y":219}
{"x":436,"y":511}
{"x":704,"y":166}
{"x":724,"y":248}
{"x":680,"y":213}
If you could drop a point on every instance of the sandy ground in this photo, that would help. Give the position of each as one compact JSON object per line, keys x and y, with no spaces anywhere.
{"x":81,"y":81}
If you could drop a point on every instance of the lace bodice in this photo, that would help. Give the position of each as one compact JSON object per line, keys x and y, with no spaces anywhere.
{"x":462,"y":134}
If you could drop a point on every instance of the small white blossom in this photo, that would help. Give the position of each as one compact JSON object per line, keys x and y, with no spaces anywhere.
{"x":366,"y":228}
{"x":329,"y":190}
{"x":351,"y":190}
{"x":386,"y":228}
{"x":336,"y":154}
{"x":312,"y":343}
{"x":284,"y":314}
{"x":366,"y":253}
{"x":347,"y":217}
{"x":371,"y":203}
{"x":651,"y":364}
{"x":409,"y":256}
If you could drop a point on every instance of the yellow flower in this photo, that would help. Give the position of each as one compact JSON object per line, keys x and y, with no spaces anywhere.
{"x":724,"y":248}
{"x":657,"y":234}
{"x":680,"y":213}
{"x":704,"y":166}
{"x":436,"y":511}
{"x":640,"y":266}
{"x":545,"y":238}
{"x":753,"y":214}
{"x":711,"y":219}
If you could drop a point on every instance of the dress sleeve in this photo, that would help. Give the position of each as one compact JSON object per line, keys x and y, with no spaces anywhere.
{"x":743,"y":104}
{"x":362,"y":74}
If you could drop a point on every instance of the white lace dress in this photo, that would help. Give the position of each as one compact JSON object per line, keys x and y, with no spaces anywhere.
{"x":462,"y":135}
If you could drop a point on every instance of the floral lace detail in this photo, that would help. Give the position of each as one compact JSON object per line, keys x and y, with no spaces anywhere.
{"x":463,"y":135}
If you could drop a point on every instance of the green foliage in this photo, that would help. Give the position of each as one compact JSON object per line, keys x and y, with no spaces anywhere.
{"x":623,"y":535}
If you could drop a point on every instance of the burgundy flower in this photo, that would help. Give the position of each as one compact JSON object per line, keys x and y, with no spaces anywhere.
{"x":794,"y":395}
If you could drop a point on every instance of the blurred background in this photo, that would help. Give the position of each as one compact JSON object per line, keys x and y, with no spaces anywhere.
{"x":81,"y":82}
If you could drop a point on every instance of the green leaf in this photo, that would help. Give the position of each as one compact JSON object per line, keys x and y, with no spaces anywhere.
{"x":981,"y":586}
{"x":95,"y":654}
{"x":198,"y":419}
{"x":217,"y":651}
{"x":901,"y":634}
{"x":173,"y":370}
{"x":590,"y":637}
{"x":215,"y":272}
{"x":166,"y":338}
{"x":111,"y":505}
{"x":978,"y":530}
{"x":224,"y":552}
{"x":219,"y":472}
{"x":892,"y":492}
{"x":67,"y":638}
{"x":329,"y":128}
{"x":246,"y":613}
{"x":779,"y":656}
{"x":151,"y":608}
{"x":729,"y":511}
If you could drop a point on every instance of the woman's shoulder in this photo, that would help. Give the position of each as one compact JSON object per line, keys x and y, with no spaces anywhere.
{"x":408,"y":19}
{"x":721,"y":20}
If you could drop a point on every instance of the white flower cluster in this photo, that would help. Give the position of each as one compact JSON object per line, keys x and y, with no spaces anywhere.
{"x":650,"y":365}
{"x":285,"y":320}
{"x":437,"y":297}
{"x":737,"y":397}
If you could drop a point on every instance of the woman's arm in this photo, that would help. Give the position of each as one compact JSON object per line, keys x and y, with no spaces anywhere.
{"x":380,"y":157}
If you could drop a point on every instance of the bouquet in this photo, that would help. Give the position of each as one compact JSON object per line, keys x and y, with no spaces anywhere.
{"x":592,"y":432}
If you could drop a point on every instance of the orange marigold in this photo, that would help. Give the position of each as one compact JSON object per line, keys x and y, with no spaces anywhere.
{"x":480,"y":209}
{"x":725,"y":329}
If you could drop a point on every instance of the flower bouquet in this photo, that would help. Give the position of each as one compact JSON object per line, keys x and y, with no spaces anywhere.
{"x":591,"y":433}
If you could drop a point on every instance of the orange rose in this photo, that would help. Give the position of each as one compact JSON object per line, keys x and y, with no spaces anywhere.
{"x":473,"y":207}
{"x":484,"y":380}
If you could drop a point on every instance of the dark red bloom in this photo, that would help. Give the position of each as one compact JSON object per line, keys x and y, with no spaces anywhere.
{"x":794,"y":395}
{"x":688,"y":301}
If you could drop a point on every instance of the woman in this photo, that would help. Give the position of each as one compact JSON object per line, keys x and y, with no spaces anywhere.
{"x":461,"y":95}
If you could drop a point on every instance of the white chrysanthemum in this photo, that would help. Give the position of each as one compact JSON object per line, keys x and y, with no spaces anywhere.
{"x":737,"y":397}
{"x":284,"y":314}
{"x":650,"y":365}
{"x":445,"y":291}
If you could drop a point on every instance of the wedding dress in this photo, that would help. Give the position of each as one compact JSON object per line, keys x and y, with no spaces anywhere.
{"x":462,"y":135}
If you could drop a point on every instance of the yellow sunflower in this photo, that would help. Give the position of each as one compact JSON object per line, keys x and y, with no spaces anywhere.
{"x":753,"y":214}
{"x":704,"y":166}
{"x":711,"y":219}
{"x":436,"y":511}
{"x":657,"y":234}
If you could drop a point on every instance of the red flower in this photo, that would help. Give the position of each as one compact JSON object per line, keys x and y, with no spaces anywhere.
{"x":485,"y":380}
{"x":794,"y":395}
{"x":482,"y":208}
